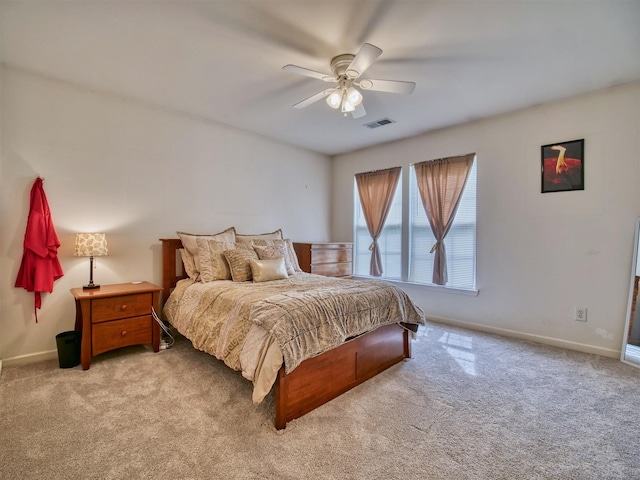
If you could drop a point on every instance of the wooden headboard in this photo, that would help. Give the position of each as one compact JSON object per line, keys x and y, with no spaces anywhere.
{"x":172,"y":266}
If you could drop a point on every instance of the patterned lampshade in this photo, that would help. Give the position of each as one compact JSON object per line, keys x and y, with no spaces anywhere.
{"x":91,"y":245}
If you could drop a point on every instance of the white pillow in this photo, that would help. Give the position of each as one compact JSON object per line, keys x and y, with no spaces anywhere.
{"x":189,"y":264}
{"x":292,"y":255}
{"x":277,"y":235}
{"x":189,"y":242}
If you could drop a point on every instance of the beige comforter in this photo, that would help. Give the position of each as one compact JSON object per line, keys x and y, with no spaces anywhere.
{"x":255,"y":327}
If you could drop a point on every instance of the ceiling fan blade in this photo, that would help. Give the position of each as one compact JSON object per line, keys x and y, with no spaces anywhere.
{"x":389,"y":86}
{"x":359,"y":111}
{"x":313,"y":99}
{"x":309,"y":73}
{"x":363,"y":59}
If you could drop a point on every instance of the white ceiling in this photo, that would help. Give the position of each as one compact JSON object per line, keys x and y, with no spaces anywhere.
{"x":222,"y":60}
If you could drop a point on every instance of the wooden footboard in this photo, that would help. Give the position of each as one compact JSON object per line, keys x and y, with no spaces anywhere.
{"x":320,"y":379}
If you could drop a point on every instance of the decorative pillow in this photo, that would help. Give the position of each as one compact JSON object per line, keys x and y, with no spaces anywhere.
{"x":213,"y":264}
{"x":189,"y":264}
{"x":277,"y":235}
{"x":267,"y":249}
{"x":268,"y":269}
{"x":239,"y":263}
{"x":189,"y":242}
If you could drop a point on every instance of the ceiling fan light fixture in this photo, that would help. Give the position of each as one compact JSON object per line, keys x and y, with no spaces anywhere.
{"x":354,"y":97}
{"x":347,"y":107}
{"x":335,"y":98}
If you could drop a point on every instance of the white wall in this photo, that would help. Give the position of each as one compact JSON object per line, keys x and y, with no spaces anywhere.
{"x":539,"y":255}
{"x":2,"y":261}
{"x":137,"y":173}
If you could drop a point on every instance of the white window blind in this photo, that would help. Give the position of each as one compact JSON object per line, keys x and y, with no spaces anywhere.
{"x":460,"y":242}
{"x":390,"y":241}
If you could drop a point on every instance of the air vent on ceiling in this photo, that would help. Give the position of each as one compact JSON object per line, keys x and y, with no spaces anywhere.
{"x":379,"y":123}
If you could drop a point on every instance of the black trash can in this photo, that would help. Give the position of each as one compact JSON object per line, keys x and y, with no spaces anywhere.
{"x":68,"y":348}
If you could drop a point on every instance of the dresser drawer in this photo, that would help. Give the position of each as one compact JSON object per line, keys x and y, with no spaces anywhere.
{"x":121,"y":333}
{"x":330,"y":255}
{"x":123,"y":306}
{"x":333,"y":269}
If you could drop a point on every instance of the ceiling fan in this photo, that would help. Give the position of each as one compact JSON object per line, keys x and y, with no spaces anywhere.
{"x":347,"y":70}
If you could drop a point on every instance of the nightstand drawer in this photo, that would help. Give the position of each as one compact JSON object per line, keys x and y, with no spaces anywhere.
{"x":124,"y":306}
{"x":121,"y":333}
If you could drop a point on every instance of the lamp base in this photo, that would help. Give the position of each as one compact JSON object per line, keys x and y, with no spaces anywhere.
{"x":91,"y":286}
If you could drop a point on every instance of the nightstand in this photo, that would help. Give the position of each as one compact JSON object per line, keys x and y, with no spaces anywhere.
{"x":115,"y":316}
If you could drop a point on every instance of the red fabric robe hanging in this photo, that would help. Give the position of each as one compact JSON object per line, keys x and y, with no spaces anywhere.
{"x":40,"y":265}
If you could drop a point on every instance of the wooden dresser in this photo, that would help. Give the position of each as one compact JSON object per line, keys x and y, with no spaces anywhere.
{"x":115,"y":316}
{"x":331,"y":259}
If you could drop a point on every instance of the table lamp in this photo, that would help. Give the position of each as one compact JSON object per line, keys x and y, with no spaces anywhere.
{"x":90,"y":245}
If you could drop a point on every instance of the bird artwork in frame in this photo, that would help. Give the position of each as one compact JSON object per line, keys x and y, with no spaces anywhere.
{"x":562,"y":166}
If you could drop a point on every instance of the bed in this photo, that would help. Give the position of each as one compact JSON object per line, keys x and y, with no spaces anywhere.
{"x":282,"y":333}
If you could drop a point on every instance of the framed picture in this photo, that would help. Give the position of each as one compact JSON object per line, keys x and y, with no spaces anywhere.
{"x":563,"y":166}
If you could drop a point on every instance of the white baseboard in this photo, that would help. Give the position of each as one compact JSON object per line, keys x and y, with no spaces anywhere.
{"x":580,"y":347}
{"x":30,"y":358}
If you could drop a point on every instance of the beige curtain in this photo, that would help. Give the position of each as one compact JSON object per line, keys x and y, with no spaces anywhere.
{"x":376,"y":191}
{"x":441,"y":183}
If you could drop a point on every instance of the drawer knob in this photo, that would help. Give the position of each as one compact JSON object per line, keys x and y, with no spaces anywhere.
{"x":123,"y":307}
{"x":123,"y":333}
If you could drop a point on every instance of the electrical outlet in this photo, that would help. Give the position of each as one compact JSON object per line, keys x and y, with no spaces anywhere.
{"x":581,"y":314}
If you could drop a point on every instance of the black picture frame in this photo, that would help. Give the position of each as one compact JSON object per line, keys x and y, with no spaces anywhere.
{"x":562,"y":166}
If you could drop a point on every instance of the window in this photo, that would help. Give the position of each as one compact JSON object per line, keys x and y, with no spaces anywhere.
{"x":389,"y":243}
{"x":460,"y":242}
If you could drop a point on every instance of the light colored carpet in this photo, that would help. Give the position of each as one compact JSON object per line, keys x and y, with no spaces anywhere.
{"x":467,"y":406}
